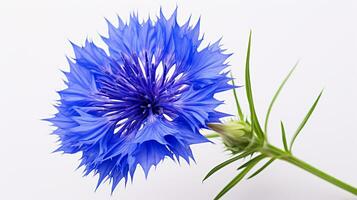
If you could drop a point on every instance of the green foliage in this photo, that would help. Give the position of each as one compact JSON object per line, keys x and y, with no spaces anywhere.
{"x":240,"y":113}
{"x":306,"y":118}
{"x":227,"y":162}
{"x":283,"y":137}
{"x":275,"y":97}
{"x":262,"y":168}
{"x":254,"y":118}
{"x":257,"y":158}
{"x":235,"y":137}
{"x":236,"y":179}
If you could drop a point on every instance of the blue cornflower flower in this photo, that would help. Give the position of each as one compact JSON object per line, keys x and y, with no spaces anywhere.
{"x":143,"y":101}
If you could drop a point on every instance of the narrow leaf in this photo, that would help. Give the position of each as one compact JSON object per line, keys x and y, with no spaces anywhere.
{"x":276,"y":96}
{"x":302,"y":124}
{"x":262,"y":168}
{"x":283,"y":136}
{"x":248,"y":87}
{"x":253,"y":160}
{"x":235,"y":180}
{"x":227,"y":162}
{"x":240,"y":113}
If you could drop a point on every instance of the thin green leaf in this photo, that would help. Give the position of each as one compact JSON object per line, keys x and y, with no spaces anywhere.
{"x":283,"y":136}
{"x":276,"y":96}
{"x":227,"y":162}
{"x":240,"y":113}
{"x":302,"y":124}
{"x":235,"y":180}
{"x":262,"y":168}
{"x":248,"y":87}
{"x":253,"y":160}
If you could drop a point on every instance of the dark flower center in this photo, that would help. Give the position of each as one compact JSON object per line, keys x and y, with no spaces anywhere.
{"x":151,"y":106}
{"x":136,"y":90}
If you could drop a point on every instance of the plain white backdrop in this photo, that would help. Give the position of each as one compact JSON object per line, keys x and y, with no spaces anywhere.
{"x":34,"y":39}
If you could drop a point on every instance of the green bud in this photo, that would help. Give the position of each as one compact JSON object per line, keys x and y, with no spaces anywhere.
{"x":236,"y":135}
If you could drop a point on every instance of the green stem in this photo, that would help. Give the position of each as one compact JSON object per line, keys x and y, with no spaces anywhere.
{"x":286,"y":156}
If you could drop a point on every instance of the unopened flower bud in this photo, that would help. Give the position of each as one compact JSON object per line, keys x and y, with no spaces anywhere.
{"x":236,"y":135}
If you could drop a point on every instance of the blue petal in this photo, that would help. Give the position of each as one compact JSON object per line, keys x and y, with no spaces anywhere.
{"x":145,"y":100}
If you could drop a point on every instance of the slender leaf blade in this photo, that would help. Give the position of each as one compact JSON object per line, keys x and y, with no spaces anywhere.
{"x":249,"y":92}
{"x":283,"y":137}
{"x":227,"y":162}
{"x":235,"y":180}
{"x":306,"y":118}
{"x":262,"y":168}
{"x":240,"y":113}
{"x":276,"y":96}
{"x":257,"y":158}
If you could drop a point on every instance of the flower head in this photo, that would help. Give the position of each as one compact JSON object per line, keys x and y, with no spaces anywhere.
{"x":143,"y":101}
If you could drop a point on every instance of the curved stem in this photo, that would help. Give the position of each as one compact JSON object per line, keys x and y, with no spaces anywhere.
{"x":286,"y":156}
{"x":303,"y":165}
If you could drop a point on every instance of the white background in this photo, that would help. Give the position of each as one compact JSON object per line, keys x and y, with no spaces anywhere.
{"x":322,"y":34}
